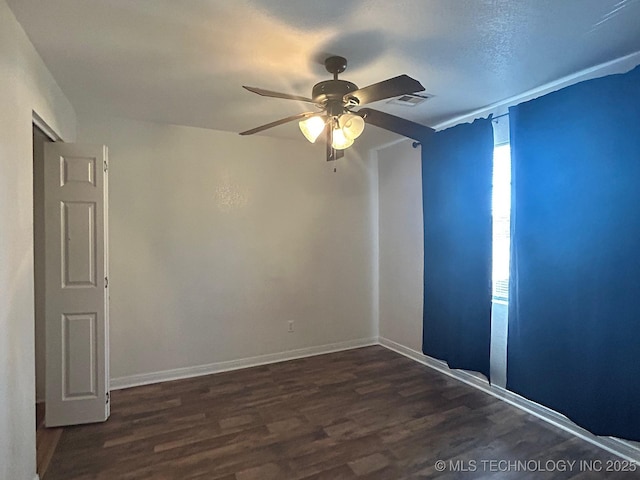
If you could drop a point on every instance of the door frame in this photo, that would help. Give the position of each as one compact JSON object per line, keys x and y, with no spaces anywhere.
{"x":46,"y":129}
{"x":52,"y":135}
{"x":37,"y":122}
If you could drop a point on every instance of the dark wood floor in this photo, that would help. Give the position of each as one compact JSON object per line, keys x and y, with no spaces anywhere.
{"x":46,"y":441}
{"x":365,"y":413}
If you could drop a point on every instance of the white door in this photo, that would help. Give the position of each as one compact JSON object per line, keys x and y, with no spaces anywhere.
{"x":76,"y":286}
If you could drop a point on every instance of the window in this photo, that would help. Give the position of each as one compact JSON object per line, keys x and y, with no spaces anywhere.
{"x":501,"y":212}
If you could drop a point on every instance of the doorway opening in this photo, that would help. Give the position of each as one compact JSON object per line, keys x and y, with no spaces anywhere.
{"x":46,"y":438}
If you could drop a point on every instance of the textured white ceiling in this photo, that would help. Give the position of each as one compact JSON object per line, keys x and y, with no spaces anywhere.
{"x":185,"y":62}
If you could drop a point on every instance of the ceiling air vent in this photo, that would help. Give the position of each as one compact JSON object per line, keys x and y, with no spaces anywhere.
{"x":410,"y":100}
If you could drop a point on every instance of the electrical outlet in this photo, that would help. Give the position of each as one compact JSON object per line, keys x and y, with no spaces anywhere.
{"x":290,"y":326}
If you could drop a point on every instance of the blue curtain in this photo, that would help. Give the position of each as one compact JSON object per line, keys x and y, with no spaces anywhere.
{"x":574,"y":317}
{"x":456,"y":186}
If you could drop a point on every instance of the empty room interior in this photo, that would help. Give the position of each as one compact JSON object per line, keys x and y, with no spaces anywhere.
{"x":274,"y":240}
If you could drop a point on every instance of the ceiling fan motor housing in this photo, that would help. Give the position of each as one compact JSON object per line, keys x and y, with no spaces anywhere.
{"x":331,"y":93}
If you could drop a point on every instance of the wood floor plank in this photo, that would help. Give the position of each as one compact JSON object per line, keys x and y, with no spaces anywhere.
{"x":46,"y":441}
{"x":363,"y":413}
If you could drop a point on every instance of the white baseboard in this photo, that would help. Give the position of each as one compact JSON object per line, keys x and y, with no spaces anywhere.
{"x":199,"y":370}
{"x":619,"y":447}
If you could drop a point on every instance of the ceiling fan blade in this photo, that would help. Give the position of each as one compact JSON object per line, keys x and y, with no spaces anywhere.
{"x":270,"y":93}
{"x":282,"y":121}
{"x":393,"y":87}
{"x":395,"y":124}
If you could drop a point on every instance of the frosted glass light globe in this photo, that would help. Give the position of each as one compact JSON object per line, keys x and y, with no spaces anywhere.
{"x":312,"y":127}
{"x":351,"y":125}
{"x":340,"y":141}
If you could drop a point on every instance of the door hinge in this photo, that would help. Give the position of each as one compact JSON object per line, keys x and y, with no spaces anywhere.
{"x":106,"y":166}
{"x":106,"y":282}
{"x":108,"y":397}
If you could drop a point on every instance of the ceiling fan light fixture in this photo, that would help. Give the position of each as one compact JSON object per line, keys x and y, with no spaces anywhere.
{"x":351,"y":125}
{"x":340,"y":141}
{"x":312,"y":127}
{"x":335,"y":98}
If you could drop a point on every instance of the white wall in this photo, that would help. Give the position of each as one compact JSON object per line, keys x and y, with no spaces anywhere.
{"x":218,"y":240}
{"x":401,"y":244}
{"x":25,"y":86}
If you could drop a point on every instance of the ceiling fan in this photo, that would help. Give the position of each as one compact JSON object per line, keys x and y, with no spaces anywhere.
{"x":336,"y":100}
